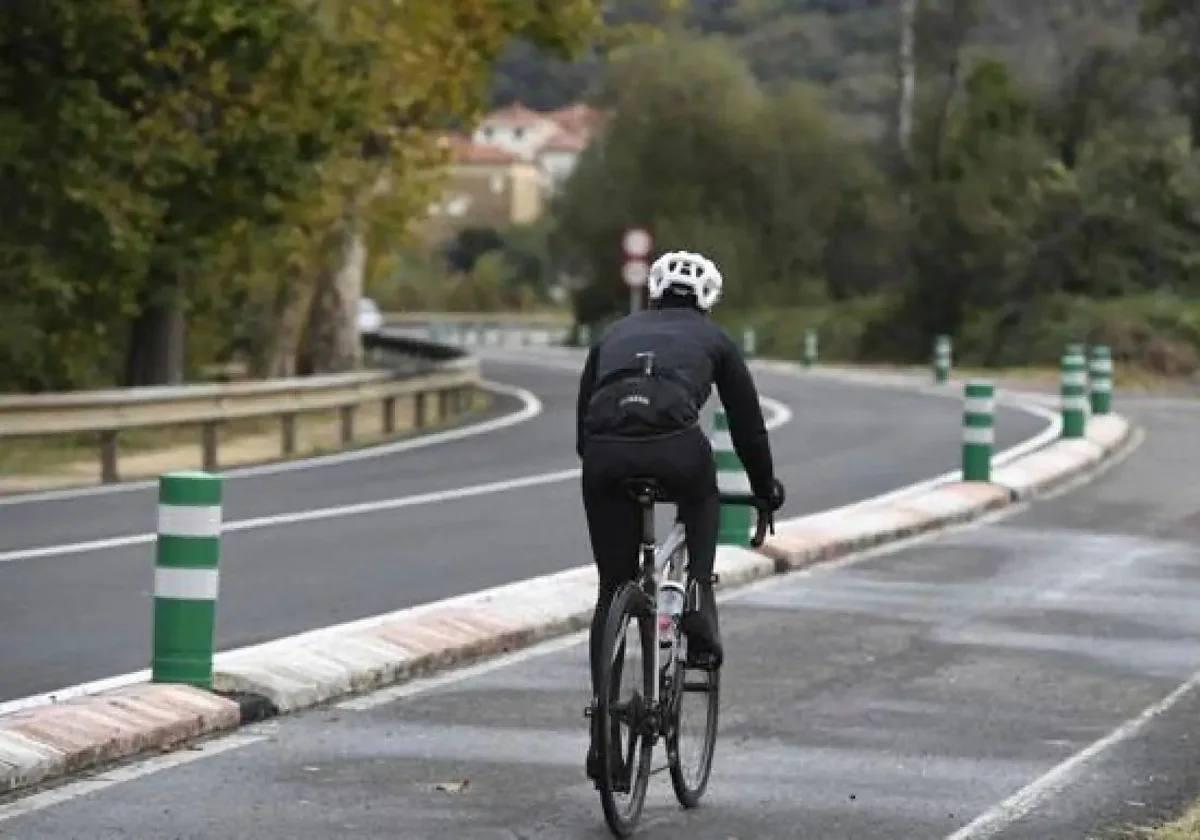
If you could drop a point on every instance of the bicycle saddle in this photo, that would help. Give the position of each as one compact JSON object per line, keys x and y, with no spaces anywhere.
{"x":645,"y":490}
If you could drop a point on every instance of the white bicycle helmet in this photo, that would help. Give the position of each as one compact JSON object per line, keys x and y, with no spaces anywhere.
{"x":689,"y":272}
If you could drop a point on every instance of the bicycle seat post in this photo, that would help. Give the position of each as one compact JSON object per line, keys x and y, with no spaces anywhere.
{"x":648,"y":538}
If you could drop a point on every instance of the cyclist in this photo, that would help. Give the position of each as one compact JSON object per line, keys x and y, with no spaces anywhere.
{"x":639,"y":401}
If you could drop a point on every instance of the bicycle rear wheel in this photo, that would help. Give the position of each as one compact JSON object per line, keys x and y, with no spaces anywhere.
{"x":692,"y":730}
{"x":623,"y":718}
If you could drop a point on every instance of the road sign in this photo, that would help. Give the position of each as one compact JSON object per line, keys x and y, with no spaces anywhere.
{"x":636,"y":243}
{"x":635,"y":273}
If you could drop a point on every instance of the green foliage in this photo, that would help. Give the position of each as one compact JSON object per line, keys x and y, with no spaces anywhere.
{"x":698,"y":153}
{"x":1031,"y":213}
{"x":1177,"y":22}
{"x":210,"y":161}
{"x":139,"y":140}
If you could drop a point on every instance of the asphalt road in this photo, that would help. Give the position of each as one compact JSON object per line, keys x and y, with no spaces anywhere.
{"x":899,"y":696}
{"x":85,"y":615}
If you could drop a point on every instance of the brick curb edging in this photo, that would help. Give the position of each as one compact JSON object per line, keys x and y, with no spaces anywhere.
{"x":43,"y":743}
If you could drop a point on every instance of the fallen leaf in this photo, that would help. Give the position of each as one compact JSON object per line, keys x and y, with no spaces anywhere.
{"x":452,"y":787}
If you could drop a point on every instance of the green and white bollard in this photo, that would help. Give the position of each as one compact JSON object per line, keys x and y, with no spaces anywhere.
{"x":749,"y":342}
{"x":979,"y":431}
{"x":942,"y":359}
{"x":585,"y":335}
{"x":1074,"y":392}
{"x":185,"y":577}
{"x":810,"y":347}
{"x":1101,"y":373}
{"x":731,"y":478}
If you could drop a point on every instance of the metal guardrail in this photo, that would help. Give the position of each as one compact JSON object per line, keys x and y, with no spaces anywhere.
{"x":412,"y":369}
{"x":482,"y":330}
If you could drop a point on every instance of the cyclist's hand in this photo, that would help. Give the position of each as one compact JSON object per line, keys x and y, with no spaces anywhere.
{"x":778,"y":495}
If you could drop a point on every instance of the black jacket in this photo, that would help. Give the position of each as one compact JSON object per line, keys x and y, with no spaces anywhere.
{"x":695,"y":350}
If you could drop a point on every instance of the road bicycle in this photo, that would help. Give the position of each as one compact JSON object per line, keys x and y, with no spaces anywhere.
{"x":645,"y":680}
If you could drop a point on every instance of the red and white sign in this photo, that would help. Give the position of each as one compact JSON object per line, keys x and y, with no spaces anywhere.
{"x":636,"y":243}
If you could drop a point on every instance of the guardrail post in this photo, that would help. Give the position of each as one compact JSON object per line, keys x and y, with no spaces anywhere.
{"x":942,"y":359}
{"x":585,"y":335}
{"x":389,"y":415}
{"x":108,"y":456}
{"x":420,"y":410}
{"x":731,"y":478}
{"x":1101,"y":379}
{"x":208,"y":445}
{"x":287,"y":432}
{"x":810,"y":347}
{"x":443,"y":402}
{"x":185,"y":577}
{"x":1074,"y":392}
{"x":749,"y":342}
{"x":346,"y":413}
{"x":979,"y":432}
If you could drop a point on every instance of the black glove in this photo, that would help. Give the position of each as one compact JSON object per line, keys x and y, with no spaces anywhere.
{"x":778,"y":495}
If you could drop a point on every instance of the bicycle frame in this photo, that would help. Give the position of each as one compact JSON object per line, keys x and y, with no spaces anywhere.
{"x":657,"y":560}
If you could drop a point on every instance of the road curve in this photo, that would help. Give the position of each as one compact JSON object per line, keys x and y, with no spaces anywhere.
{"x":81,"y":616}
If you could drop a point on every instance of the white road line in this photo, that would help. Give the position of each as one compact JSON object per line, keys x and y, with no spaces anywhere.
{"x":124,"y":773}
{"x":1045,"y":787}
{"x":779,"y":415}
{"x":779,"y":412}
{"x":531,"y":407}
{"x":305,"y":515}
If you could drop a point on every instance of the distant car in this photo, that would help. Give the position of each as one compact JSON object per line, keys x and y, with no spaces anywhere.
{"x":370,"y":319}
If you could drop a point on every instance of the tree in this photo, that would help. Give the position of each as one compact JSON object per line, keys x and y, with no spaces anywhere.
{"x":907,"y":80}
{"x":1178,"y":23}
{"x":698,"y":153}
{"x":153,"y":133}
{"x":427,"y":69}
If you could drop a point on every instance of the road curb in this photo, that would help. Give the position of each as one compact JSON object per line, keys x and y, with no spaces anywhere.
{"x":40,"y":744}
{"x":52,"y":741}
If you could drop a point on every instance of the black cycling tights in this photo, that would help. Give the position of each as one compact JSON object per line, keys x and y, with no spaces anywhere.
{"x":683,"y":465}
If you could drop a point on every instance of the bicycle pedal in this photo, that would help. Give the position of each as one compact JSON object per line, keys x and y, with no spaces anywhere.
{"x":715,"y":579}
{"x":589,"y":712}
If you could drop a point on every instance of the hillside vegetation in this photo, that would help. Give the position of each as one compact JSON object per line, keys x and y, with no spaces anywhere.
{"x":1040,"y":184}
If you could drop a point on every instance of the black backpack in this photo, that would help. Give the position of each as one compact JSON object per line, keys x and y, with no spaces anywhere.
{"x":640,"y":400}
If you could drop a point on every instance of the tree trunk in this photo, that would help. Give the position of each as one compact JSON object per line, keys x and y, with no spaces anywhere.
{"x":157,"y":339}
{"x":907,"y":80}
{"x":331,"y":343}
{"x":293,"y":297}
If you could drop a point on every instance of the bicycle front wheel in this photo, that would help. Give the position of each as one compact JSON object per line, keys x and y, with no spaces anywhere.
{"x":624,"y":722}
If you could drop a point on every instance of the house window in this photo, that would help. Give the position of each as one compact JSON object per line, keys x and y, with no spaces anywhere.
{"x":487,"y":132}
{"x":518,"y":133}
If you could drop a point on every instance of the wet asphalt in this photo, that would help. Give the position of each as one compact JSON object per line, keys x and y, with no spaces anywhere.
{"x":897,"y":696}
{"x":85,"y":615}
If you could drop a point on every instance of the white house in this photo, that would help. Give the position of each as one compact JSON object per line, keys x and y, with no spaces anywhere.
{"x":552,"y":140}
{"x":516,"y":129}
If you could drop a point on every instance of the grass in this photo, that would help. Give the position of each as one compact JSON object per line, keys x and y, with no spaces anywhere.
{"x":1186,"y":827}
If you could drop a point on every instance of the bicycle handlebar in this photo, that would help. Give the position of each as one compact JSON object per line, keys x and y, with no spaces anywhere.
{"x":766,"y":516}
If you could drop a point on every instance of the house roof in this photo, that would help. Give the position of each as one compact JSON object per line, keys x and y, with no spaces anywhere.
{"x":565,"y":141}
{"x":577,"y":118}
{"x":516,"y":114}
{"x":464,"y":150}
